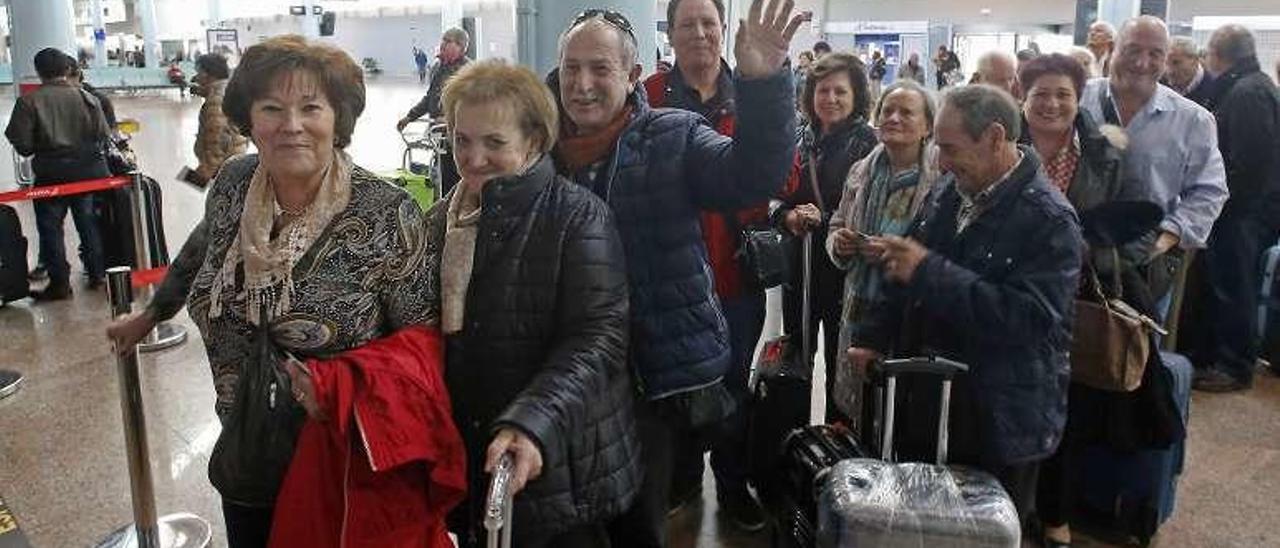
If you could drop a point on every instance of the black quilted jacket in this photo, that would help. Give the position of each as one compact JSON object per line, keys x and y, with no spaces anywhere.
{"x":543,"y":349}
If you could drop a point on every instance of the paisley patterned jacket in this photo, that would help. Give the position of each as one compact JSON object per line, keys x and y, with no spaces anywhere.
{"x":361,"y":280}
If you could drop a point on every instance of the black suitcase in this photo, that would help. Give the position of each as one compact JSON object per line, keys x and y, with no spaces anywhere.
{"x":780,"y":397}
{"x":808,"y":454}
{"x":115,"y":222}
{"x":13,"y":257}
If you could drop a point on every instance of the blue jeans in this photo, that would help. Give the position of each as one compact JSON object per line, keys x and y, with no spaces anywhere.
{"x":51,"y":215}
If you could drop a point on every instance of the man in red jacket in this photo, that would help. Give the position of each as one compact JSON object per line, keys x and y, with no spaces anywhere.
{"x":701,"y":82}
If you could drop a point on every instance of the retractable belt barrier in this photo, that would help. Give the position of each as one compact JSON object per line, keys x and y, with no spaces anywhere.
{"x":141,"y":277}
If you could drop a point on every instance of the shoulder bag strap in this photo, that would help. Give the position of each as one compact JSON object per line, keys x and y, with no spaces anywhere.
{"x":813,"y":182}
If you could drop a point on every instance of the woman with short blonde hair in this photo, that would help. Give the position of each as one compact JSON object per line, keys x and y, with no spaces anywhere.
{"x":534,"y":308}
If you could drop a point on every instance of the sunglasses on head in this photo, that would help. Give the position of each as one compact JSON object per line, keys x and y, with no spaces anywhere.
{"x":611,"y":17}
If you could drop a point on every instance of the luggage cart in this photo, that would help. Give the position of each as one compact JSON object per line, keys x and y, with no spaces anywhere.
{"x":424,"y":140}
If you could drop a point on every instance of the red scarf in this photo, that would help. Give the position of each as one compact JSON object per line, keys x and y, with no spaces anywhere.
{"x":579,"y":151}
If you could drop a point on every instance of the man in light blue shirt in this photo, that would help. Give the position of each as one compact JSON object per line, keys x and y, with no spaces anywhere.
{"x":1173,"y":143}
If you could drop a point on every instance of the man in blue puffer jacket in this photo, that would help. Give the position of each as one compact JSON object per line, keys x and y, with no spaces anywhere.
{"x":657,"y":168}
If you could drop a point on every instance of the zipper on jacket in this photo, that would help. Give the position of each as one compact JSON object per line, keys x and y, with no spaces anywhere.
{"x":271,"y":396}
{"x":364,"y":442}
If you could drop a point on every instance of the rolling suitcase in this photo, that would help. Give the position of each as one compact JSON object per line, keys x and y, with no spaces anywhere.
{"x":13,"y":257}
{"x":1269,"y":305}
{"x":115,"y":224}
{"x":868,"y":502}
{"x":807,"y":455}
{"x":780,"y":397}
{"x":1133,"y":493}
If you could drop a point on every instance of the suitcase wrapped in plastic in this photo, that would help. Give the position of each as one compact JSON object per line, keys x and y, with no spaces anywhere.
{"x":868,"y":502}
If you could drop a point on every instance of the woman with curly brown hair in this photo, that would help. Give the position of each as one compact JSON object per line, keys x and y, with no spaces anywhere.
{"x":836,"y":100}
{"x":303,"y":253}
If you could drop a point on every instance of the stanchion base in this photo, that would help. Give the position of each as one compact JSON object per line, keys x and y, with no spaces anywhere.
{"x":10,"y":382}
{"x":173,"y":531}
{"x":165,"y":335}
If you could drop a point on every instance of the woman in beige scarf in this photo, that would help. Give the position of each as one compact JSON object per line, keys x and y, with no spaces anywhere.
{"x":882,"y":196}
{"x":300,"y":253}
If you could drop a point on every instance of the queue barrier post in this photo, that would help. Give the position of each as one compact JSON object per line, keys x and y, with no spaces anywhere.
{"x":166,"y":334}
{"x":180,"y":530}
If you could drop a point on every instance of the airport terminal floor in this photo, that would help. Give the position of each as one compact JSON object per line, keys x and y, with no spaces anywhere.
{"x":63,"y":471}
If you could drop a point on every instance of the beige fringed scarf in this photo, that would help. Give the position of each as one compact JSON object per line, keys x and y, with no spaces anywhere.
{"x":461,"y":222}
{"x":268,"y":263}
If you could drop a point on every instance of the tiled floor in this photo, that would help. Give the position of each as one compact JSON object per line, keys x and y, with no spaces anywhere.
{"x":62,"y":464}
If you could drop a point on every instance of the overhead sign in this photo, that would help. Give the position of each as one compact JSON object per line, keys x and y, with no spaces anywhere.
{"x":877,"y":27}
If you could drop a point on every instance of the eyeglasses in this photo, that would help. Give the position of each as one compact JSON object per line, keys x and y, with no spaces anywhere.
{"x":611,"y":17}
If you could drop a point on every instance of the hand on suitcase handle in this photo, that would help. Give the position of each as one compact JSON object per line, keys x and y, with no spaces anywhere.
{"x":525,"y":456}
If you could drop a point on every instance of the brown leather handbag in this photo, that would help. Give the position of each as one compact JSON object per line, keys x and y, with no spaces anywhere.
{"x":1112,"y":340}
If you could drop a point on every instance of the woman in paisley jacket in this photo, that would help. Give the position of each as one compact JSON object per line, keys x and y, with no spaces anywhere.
{"x":300,"y":253}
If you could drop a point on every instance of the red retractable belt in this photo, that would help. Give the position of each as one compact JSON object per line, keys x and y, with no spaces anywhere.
{"x":141,"y":278}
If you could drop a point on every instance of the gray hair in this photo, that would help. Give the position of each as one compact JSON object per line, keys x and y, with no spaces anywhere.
{"x":1233,"y":43}
{"x":981,"y":105}
{"x":1184,"y":45}
{"x":985,"y":61}
{"x":1085,"y":57}
{"x":455,"y":34}
{"x":926,"y":97}
{"x":630,"y":50}
{"x":1108,"y":27}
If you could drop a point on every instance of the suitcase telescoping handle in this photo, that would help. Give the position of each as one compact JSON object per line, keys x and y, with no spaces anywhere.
{"x":498,"y":505}
{"x":932,"y":365}
{"x":806,"y":267}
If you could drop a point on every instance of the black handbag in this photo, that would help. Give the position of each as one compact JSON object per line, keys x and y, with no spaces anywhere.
{"x":251,"y":456}
{"x":763,"y":258}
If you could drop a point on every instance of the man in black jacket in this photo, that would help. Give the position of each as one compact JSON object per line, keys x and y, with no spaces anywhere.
{"x":1247,"y":107}
{"x":988,"y":278}
{"x":63,"y":128}
{"x":452,"y":56}
{"x":1185,"y":73}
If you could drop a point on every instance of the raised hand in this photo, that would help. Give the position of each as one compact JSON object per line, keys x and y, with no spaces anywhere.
{"x":763,"y":40}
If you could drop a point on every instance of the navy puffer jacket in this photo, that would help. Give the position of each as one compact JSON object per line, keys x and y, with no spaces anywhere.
{"x":667,"y":166}
{"x":998,"y":296}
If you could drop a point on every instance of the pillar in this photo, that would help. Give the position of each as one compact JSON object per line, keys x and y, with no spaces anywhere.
{"x":99,"y":35}
{"x":214,"y":17}
{"x":39,"y":24}
{"x":145,"y":11}
{"x":540,"y":22}
{"x":1117,"y":12}
{"x":309,"y":21}
{"x":451,"y":15}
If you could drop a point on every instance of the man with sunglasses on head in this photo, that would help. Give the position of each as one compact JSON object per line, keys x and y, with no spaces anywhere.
{"x":658,"y":169}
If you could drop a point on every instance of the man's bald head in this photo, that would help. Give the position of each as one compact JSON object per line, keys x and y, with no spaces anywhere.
{"x":999,"y":69}
{"x":1228,"y":45}
{"x":1145,"y":26}
{"x":1101,"y":38}
{"x":1139,"y":60}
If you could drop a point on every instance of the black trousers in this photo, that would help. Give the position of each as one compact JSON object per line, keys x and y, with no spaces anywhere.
{"x":644,"y":525}
{"x":728,"y":442}
{"x":825,"y":296}
{"x":1232,"y":277}
{"x":247,"y":526}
